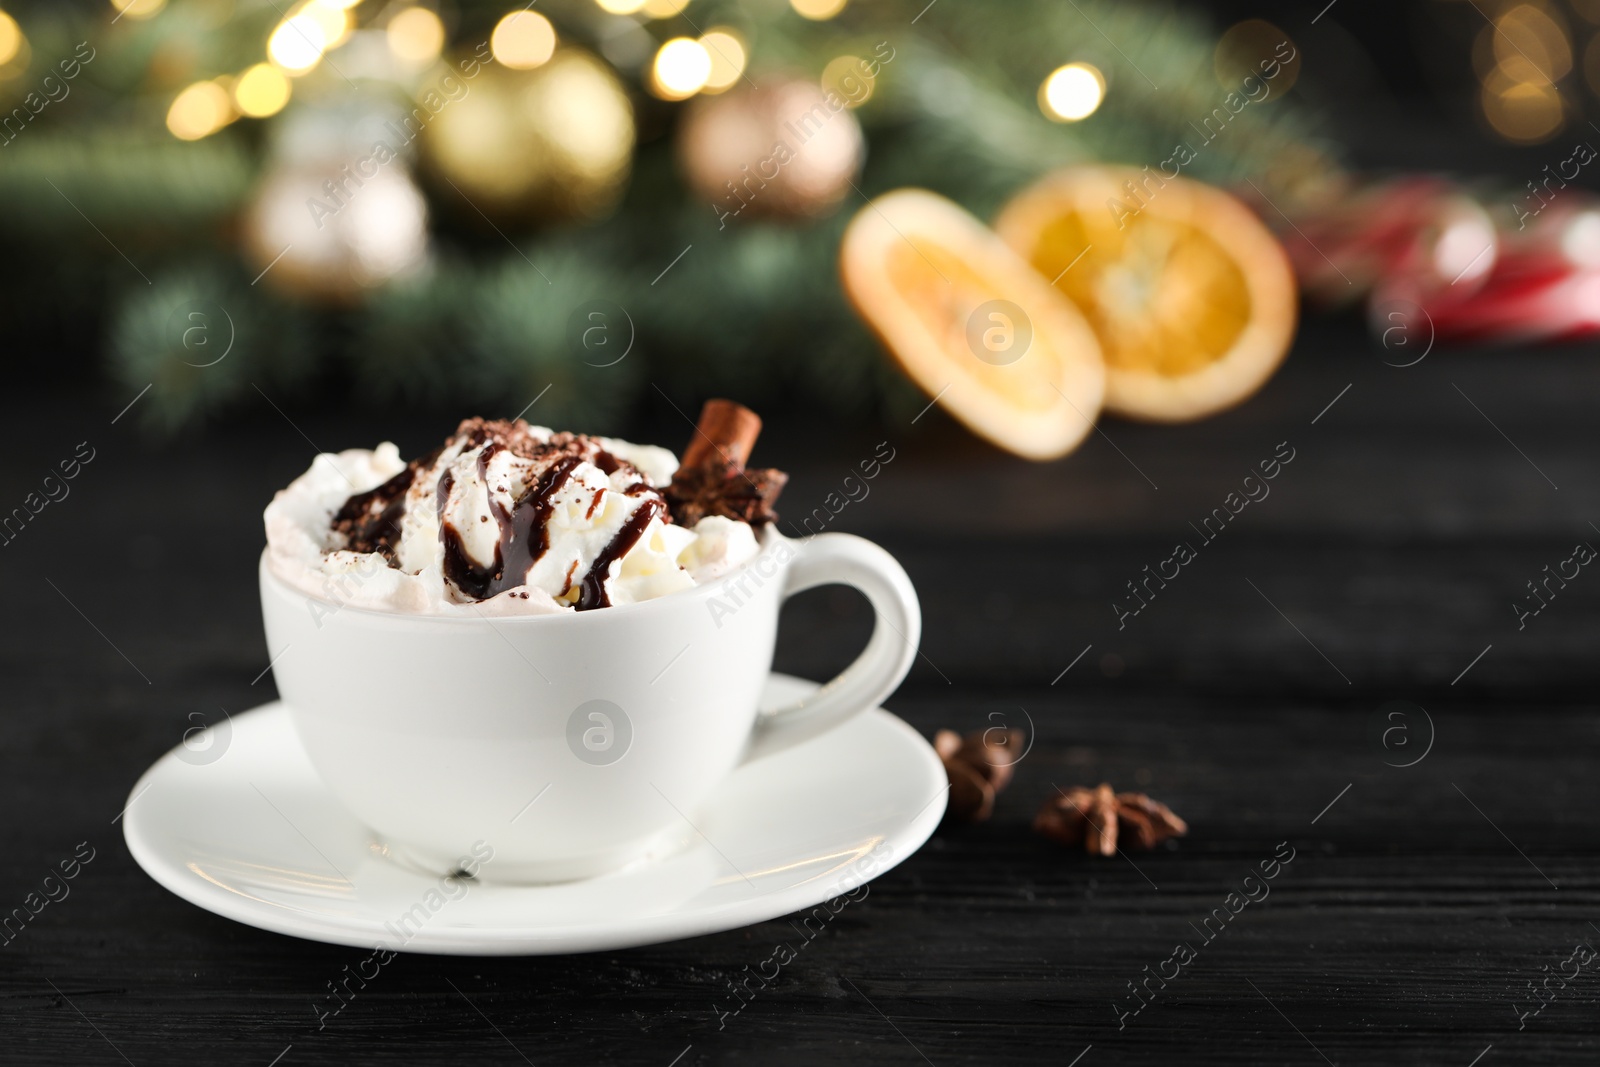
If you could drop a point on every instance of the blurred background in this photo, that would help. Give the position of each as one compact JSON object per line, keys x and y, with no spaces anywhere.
{"x":461,"y":206}
{"x":235,"y":233}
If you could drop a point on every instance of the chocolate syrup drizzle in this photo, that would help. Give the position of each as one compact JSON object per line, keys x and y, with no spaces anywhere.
{"x":524,"y":532}
{"x":592,"y":591}
{"x":370,"y":521}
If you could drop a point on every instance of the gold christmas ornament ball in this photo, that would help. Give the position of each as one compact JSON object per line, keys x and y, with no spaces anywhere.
{"x":331,"y":232}
{"x":784,"y":149}
{"x":555,"y":141}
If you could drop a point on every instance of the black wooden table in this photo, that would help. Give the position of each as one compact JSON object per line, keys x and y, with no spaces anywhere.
{"x":1253,"y":693}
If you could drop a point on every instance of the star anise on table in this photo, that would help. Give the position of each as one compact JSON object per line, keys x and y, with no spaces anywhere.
{"x":978,"y":766}
{"x":1100,"y":819}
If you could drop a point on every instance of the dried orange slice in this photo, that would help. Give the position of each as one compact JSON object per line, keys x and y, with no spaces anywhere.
{"x":973,"y":324}
{"x":1192,"y":298}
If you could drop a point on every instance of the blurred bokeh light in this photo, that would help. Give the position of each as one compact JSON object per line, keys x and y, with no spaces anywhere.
{"x":682,"y":67}
{"x":523,"y":40}
{"x":728,"y":58}
{"x":1072,"y":92}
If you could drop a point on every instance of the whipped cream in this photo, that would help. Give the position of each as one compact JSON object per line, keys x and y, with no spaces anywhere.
{"x":504,"y":518}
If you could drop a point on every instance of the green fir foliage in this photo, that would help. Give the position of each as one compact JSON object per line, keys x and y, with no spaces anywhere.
{"x":701,"y":304}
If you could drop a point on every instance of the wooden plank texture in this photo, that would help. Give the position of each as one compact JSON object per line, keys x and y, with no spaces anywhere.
{"x":1419,"y":904}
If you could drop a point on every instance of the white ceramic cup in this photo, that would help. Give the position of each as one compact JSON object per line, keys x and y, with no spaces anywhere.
{"x":571,"y":744}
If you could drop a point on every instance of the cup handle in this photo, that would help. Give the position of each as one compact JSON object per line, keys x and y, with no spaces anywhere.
{"x":836,"y":558}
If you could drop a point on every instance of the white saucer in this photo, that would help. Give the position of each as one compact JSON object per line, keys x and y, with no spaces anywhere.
{"x":256,"y":837}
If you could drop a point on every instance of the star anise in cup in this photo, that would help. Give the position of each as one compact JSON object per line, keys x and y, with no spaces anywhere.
{"x":713,"y":478}
{"x":978,"y":766}
{"x":1100,"y":820}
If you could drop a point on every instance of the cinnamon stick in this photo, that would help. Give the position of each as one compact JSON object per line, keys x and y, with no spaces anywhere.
{"x":725,"y":434}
